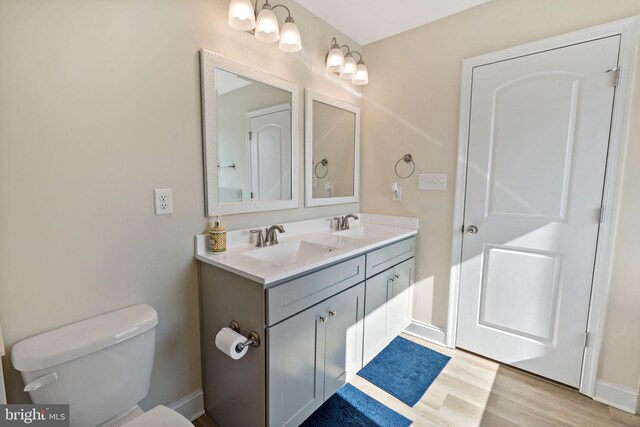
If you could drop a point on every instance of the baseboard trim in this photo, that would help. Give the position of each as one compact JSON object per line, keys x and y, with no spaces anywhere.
{"x":617,"y":396}
{"x":426,"y":332}
{"x":191,"y":406}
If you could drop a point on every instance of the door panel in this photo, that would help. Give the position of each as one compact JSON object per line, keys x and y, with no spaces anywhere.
{"x":538,"y":141}
{"x":271,"y":156}
{"x":400,"y":297}
{"x":528,"y":134}
{"x":343,"y":342}
{"x":519,"y":292}
{"x":296,"y":364}
{"x":377,"y":328}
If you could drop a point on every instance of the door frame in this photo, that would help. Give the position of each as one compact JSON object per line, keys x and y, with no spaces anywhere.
{"x":629,"y":31}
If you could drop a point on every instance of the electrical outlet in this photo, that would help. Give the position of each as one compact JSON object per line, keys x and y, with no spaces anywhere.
{"x":163,"y":201}
{"x":435,"y":181}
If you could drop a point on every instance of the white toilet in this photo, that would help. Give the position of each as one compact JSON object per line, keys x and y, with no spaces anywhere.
{"x":100,"y":366}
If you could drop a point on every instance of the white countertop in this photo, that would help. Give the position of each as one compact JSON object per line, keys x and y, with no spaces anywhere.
{"x":377,"y":231}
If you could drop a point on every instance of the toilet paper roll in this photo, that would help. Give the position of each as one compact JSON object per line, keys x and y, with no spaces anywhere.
{"x":227,"y":340}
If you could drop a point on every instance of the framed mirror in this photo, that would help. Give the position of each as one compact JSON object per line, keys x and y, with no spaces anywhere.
{"x":251,"y":147}
{"x":332,"y":151}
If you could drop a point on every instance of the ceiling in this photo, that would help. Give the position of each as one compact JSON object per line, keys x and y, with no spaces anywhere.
{"x":367,"y":21}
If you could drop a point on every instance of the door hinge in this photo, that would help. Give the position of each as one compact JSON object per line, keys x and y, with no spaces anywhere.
{"x":587,"y":338}
{"x":615,"y":72}
{"x":250,"y":135}
{"x":601,"y":216}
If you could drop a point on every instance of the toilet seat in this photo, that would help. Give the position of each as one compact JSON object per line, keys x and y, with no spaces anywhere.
{"x":160,"y":416}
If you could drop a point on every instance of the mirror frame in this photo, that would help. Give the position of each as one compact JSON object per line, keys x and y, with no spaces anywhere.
{"x":312,"y":96}
{"x":209,"y":62}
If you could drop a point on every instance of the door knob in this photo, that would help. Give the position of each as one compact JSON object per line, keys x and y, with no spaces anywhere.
{"x":472,"y":229}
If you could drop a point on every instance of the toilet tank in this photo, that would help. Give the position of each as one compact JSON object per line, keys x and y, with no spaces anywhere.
{"x":100,"y":366}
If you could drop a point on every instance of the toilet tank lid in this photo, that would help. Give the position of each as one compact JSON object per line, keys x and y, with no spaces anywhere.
{"x":79,"y":339}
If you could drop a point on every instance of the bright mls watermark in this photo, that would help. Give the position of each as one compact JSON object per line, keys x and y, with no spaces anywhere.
{"x":34,"y":415}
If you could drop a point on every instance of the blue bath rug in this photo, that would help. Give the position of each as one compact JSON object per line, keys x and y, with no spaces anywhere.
{"x":351,"y":407}
{"x":405,"y":369}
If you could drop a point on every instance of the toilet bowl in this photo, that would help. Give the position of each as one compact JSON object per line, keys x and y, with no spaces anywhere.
{"x":101,"y":367}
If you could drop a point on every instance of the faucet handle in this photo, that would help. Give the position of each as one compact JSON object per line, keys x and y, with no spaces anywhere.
{"x":337,"y":219}
{"x":260,"y":238}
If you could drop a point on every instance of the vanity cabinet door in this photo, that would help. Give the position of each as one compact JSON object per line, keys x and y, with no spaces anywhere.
{"x":399,"y":305}
{"x":343,"y":342}
{"x":376,"y":313}
{"x":387,"y":310}
{"x":296,"y":367}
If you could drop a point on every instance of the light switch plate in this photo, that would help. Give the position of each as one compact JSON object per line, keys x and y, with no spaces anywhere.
{"x":163,"y":201}
{"x":432,"y":181}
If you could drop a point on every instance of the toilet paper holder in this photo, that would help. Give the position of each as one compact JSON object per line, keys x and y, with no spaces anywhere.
{"x":253,"y":339}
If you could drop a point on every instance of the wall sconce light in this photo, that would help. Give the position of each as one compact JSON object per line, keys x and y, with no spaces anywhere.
{"x":243,"y":17}
{"x":345,"y":65}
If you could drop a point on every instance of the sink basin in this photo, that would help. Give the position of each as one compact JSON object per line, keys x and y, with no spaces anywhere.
{"x":353,"y":233}
{"x":289,"y":252}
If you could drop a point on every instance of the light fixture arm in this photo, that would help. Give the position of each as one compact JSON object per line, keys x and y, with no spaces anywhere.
{"x":268,"y":6}
{"x":359,"y":55}
{"x":281,"y":5}
{"x":348,"y":49}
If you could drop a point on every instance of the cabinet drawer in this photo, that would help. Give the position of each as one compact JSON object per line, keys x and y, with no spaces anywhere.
{"x":294,"y":296}
{"x":381,"y":259}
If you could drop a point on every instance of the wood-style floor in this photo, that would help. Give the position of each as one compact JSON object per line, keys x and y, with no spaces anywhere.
{"x":473,"y":391}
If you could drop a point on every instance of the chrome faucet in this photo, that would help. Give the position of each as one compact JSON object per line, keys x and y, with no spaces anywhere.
{"x":343,"y":223}
{"x":268,"y":237}
{"x":271,"y":238}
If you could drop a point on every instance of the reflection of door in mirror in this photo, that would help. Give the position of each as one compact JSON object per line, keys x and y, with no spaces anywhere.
{"x":333,"y":141}
{"x":243,"y":103}
{"x":270,"y":153}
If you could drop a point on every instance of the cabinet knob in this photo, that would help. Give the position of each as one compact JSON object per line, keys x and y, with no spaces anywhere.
{"x":392,"y":279}
{"x":397,"y":276}
{"x":323,"y":319}
{"x":332,"y":313}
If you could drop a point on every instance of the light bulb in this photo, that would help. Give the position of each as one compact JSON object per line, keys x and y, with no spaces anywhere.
{"x":335,"y":60}
{"x":290,"y":37}
{"x":362,"y":74}
{"x":267,"y":29}
{"x":241,"y":15}
{"x":349,"y":71}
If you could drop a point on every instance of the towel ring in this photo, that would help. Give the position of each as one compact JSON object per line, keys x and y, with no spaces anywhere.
{"x":408,"y":158}
{"x":324,"y":163}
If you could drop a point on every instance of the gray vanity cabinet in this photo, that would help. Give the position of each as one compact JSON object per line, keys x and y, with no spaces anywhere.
{"x":388,"y":307}
{"x":316,"y":329}
{"x":312,"y":354}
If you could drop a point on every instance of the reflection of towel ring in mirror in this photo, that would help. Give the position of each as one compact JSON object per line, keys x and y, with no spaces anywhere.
{"x":323,"y":162}
{"x":408,"y":158}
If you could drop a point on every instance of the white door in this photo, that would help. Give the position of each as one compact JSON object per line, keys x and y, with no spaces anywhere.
{"x":538,"y":140}
{"x":270,"y":155}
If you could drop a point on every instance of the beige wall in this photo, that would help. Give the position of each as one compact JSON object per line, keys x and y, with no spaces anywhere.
{"x":418,"y":114}
{"x":99,"y":104}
